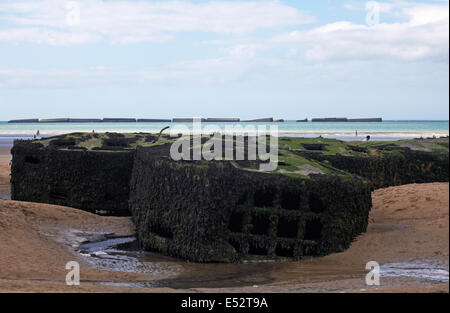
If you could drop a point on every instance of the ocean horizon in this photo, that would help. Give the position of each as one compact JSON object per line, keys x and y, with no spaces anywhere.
{"x":383,"y":131}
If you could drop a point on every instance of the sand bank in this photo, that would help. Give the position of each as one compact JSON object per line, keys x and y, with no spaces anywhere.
{"x":409,"y":225}
{"x":37,"y":240}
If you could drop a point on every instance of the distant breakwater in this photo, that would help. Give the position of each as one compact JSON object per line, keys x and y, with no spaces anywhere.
{"x":187,"y":120}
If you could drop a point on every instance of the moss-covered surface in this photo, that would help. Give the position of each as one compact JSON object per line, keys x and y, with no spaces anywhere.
{"x":391,"y":163}
{"x":315,"y":202}
{"x":103,"y":141}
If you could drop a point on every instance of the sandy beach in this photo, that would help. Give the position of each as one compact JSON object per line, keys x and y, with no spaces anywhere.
{"x":5,"y":158}
{"x":409,"y":226}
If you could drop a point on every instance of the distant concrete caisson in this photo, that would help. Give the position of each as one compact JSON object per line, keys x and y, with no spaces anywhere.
{"x":188,"y":120}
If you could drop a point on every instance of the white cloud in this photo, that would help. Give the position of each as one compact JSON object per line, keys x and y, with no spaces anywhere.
{"x":83,"y":77}
{"x":340,"y":49}
{"x":246,"y":50}
{"x":46,"y":36}
{"x":216,"y":70}
{"x":423,"y":14}
{"x":424,"y":35}
{"x":137,"y":21}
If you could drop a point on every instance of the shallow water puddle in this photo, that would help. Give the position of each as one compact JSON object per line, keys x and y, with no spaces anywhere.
{"x":423,"y":270}
{"x":120,"y":254}
{"x":123,"y":254}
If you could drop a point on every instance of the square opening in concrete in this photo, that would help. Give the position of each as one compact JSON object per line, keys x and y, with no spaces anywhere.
{"x":264,"y":197}
{"x":243,"y":198}
{"x":235,"y":222}
{"x":260,"y":224}
{"x":316,"y":204}
{"x":32,"y":160}
{"x":287,"y":228}
{"x":290,"y":200}
{"x":313,"y":230}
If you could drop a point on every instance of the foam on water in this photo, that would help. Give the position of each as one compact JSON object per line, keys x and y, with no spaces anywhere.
{"x":421,"y":269}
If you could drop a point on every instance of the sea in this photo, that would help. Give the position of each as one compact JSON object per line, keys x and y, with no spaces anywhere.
{"x":349,"y":131}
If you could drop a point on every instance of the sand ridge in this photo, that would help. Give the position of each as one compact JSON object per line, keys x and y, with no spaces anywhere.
{"x":37,"y":240}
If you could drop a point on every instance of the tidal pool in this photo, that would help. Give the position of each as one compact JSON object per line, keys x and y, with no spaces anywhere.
{"x":123,"y":254}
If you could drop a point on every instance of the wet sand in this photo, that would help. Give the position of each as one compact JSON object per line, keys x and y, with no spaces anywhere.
{"x":409,"y":227}
{"x":5,"y":158}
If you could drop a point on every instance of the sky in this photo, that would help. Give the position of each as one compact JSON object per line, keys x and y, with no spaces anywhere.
{"x":247,"y":59}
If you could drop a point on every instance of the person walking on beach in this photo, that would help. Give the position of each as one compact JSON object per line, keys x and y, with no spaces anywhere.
{"x":356,"y":133}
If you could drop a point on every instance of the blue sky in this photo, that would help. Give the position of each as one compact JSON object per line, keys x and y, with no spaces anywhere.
{"x":286,"y":59}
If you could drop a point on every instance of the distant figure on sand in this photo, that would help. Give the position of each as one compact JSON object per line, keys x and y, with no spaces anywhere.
{"x":367,"y":138}
{"x":356,"y":133}
{"x":37,"y":135}
{"x":93,"y":131}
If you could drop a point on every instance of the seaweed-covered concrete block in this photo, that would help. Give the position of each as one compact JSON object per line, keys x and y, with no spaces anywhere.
{"x":95,"y":181}
{"x":213,"y":211}
{"x":390,"y":165}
